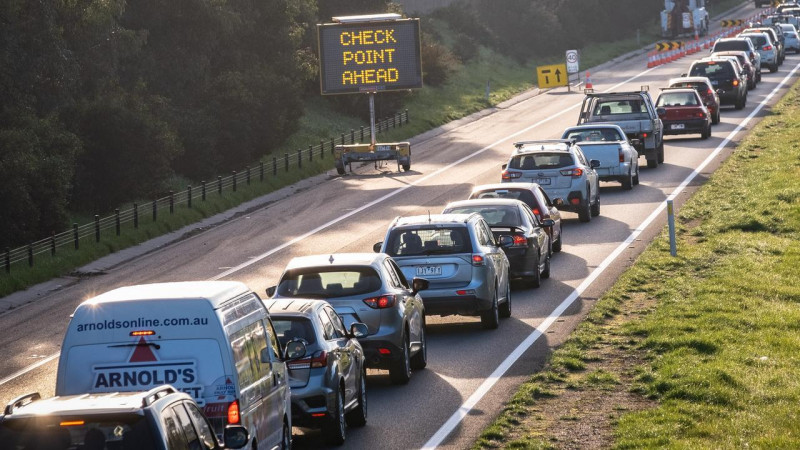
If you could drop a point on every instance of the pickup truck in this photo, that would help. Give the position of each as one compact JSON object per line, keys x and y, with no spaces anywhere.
{"x":619,"y":161}
{"x":635,"y":113}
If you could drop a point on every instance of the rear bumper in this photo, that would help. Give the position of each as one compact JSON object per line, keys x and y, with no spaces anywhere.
{"x":374,"y":358}
{"x":613,"y":173}
{"x":728,"y":97}
{"x":522,"y":262}
{"x":313,"y":399}
{"x":689,"y":126}
{"x":445,"y":302}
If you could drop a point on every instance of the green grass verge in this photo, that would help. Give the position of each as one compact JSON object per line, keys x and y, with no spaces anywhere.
{"x":713,"y":332}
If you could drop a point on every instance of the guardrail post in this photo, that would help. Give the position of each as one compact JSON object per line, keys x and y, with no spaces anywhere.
{"x":30,"y":255}
{"x":135,"y":216}
{"x":285,"y":162}
{"x":352,"y":136}
{"x":248,"y":175}
{"x":300,"y":159}
{"x":333,"y":145}
{"x":400,"y":119}
{"x":155,"y":210}
{"x":189,"y":196}
{"x":342,"y":138}
{"x":96,"y":228}
{"x":406,"y":116}
{"x":116,"y":220}
{"x":234,"y":181}
{"x":361,"y":139}
{"x":75,"y":235}
{"x":203,"y":189}
{"x":171,"y":202}
{"x":310,"y":153}
{"x":8,"y":260}
{"x":321,"y":150}
{"x":261,"y":171}
{"x":673,"y":248}
{"x":274,"y":166}
{"x":53,"y":244}
{"x":219,"y":184}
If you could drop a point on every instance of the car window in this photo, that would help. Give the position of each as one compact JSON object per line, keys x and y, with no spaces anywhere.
{"x":329,"y":282}
{"x":403,"y":281}
{"x":192,"y":439}
{"x":433,"y":240}
{"x":543,"y":195}
{"x":712,"y":70}
{"x":539,"y":161}
{"x":176,"y":440}
{"x":201,"y":425}
{"x":531,"y":217}
{"x":677,"y":99}
{"x":273,"y":341}
{"x":488,"y":233}
{"x":327,"y":326}
{"x":338,"y":325}
{"x":594,"y":135}
{"x":494,"y":215}
{"x":111,"y":431}
{"x":581,"y":157}
{"x":247,"y":345}
{"x":288,"y":328}
{"x":731,"y":45}
{"x":523,"y":195}
{"x":394,"y":280}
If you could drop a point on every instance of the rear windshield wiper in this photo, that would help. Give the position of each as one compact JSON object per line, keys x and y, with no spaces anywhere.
{"x":137,"y":344}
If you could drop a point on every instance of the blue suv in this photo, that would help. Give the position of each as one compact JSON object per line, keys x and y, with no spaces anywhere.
{"x":562,"y":170}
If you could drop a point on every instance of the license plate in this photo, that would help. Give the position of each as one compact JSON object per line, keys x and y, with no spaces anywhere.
{"x":427,"y":271}
{"x":678,"y":126}
{"x":541,"y":181}
{"x":714,"y":83}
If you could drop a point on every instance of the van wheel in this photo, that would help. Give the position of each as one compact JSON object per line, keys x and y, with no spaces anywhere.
{"x":400,"y":370}
{"x":773,"y":68}
{"x":706,"y":133}
{"x":505,"y":308}
{"x":335,"y":428}
{"x":652,"y":163}
{"x":358,"y":416}
{"x":420,"y":360}
{"x":491,"y":319}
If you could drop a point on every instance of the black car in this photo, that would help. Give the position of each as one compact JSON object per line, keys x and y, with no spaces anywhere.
{"x":328,"y":387}
{"x":725,"y":76}
{"x":159,"y":419}
{"x":529,"y":254}
{"x":742,"y":45}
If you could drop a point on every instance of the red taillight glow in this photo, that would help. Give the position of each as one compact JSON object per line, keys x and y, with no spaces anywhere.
{"x":710,"y":92}
{"x":575,"y":173}
{"x":767,"y":47}
{"x":644,"y":135}
{"x":509,"y":175}
{"x":477,"y":260}
{"x":621,"y":156}
{"x":384,"y":351}
{"x":701,"y":115}
{"x":735,"y":82}
{"x":382,"y":302}
{"x":317,"y":414}
{"x":520,"y":239}
{"x":71,"y":423}
{"x":233,"y":412}
{"x":536,"y":212}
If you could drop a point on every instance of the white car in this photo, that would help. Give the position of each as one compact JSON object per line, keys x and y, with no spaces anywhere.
{"x":791,"y":37}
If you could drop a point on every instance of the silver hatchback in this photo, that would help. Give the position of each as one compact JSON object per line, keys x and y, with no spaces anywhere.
{"x":371,"y":289}
{"x":468,"y":272}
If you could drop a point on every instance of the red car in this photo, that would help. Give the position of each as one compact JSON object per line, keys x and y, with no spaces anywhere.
{"x":706,"y":91}
{"x":683,"y":112}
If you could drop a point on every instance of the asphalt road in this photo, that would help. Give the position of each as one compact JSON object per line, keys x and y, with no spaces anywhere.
{"x":350,"y":213}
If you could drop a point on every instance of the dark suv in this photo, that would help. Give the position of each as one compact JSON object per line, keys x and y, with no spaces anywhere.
{"x":161,"y":418}
{"x":725,"y":76}
{"x":742,"y":45}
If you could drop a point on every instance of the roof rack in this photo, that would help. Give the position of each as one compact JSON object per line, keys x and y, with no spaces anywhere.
{"x":20,"y":401}
{"x":520,"y":144}
{"x":157,"y":393}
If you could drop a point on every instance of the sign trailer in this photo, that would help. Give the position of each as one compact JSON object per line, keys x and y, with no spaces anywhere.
{"x":370,"y":54}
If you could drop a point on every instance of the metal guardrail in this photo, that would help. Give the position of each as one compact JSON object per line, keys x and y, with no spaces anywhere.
{"x":100,"y":226}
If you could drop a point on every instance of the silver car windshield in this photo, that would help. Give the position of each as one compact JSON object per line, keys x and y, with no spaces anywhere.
{"x":495,"y":216}
{"x":329,"y":282}
{"x":429,"y":241}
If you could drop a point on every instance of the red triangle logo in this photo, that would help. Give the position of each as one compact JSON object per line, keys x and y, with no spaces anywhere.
{"x":143,"y":353}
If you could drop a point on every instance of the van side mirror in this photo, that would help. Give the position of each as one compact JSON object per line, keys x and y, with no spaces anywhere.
{"x":271,"y":291}
{"x":594,"y":163}
{"x":505,"y":241}
{"x":235,"y":436}
{"x":419,"y":284}
{"x":547,"y":223}
{"x":359,"y":330}
{"x":295,"y":349}
{"x":661,"y":112}
{"x":376,"y":247}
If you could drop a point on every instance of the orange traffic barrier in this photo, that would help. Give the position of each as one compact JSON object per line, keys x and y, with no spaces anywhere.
{"x":588,"y":84}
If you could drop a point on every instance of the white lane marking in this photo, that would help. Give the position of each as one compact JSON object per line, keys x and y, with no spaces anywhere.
{"x":454,"y":420}
{"x":268,"y":253}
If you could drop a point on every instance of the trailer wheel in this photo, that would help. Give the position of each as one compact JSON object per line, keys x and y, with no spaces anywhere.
{"x":406,"y":167}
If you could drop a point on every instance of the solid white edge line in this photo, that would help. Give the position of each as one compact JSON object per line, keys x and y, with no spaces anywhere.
{"x":454,"y":420}
{"x":29,"y":368}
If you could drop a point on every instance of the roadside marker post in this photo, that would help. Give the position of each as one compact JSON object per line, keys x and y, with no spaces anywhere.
{"x":673,"y":248}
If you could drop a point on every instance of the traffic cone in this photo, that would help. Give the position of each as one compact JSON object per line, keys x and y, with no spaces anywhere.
{"x":651,"y":62}
{"x":588,"y":83}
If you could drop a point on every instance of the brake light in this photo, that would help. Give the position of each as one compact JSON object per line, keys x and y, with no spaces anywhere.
{"x":520,"y":240}
{"x":477,"y":260}
{"x":233,"y":412}
{"x":621,"y":156}
{"x":319,"y":359}
{"x":142,"y":333}
{"x":536,"y":212}
{"x":381,"y":302}
{"x":574,"y":173}
{"x":735,"y":82}
{"x":710,"y":92}
{"x":644,"y":135}
{"x":701,"y":115}
{"x":384,"y":351}
{"x":71,"y":423}
{"x":509,"y":175}
{"x":767,"y":47}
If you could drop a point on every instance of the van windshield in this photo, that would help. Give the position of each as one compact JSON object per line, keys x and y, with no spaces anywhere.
{"x":117,"y":431}
{"x":329,"y":282}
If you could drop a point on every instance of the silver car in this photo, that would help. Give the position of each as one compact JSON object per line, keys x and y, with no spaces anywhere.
{"x":792,"y":39}
{"x":329,"y":390}
{"x":562,"y":170}
{"x":764,"y":46}
{"x":468,"y":272}
{"x":371,"y":289}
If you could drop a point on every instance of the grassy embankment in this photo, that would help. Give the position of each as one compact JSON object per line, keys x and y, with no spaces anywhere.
{"x":429,"y":107}
{"x":696,"y":351}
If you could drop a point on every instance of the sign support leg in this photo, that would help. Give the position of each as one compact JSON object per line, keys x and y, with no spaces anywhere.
{"x":372,"y":118}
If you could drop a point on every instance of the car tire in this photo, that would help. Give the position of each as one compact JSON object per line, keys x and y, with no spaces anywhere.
{"x":706,"y":133}
{"x":739,"y":104}
{"x":400,"y":369}
{"x":535,"y":280}
{"x":773,"y":68}
{"x":627,"y":182}
{"x":595,"y":208}
{"x":546,"y":271}
{"x":420,"y":360}
{"x":758,"y":77}
{"x":335,"y":428}
{"x":585,"y":213}
{"x":358,"y":416}
{"x":491,"y":319}
{"x":636,"y":177}
{"x":340,"y":170}
{"x":660,"y":152}
{"x":406,"y":167}
{"x":286,"y":437}
{"x":557,"y":243}
{"x":505,"y":309}
{"x":715,"y":118}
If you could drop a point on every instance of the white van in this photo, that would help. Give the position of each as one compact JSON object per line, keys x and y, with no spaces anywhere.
{"x":212,"y":339}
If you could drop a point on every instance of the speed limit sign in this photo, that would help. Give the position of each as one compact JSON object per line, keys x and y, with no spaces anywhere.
{"x":573,"y":61}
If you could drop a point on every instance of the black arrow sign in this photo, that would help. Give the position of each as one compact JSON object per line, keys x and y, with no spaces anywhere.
{"x":558,"y":75}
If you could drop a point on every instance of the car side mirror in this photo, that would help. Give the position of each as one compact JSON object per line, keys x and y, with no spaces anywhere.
{"x":594,"y":163}
{"x":419,"y":284}
{"x":683,"y":75}
{"x":359,"y":330}
{"x":548,"y":223}
{"x":271,"y":291}
{"x":295,"y":349}
{"x":376,"y":247}
{"x":235,"y":436}
{"x":661,"y":112}
{"x":505,"y":241}
{"x":635,"y":142}
{"x":504,"y":166}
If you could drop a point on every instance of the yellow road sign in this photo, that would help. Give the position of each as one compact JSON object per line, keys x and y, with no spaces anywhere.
{"x":552,"y":76}
{"x":670,"y":45}
{"x":732,"y":22}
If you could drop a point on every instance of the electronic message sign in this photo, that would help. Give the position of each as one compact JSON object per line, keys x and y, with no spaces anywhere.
{"x":369,"y":56}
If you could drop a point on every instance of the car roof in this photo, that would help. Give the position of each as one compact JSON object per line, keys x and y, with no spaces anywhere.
{"x":214,"y":292}
{"x":294,"y":306}
{"x":679,"y":90}
{"x":94,"y":403}
{"x":486,"y":202}
{"x":590,"y":126}
{"x":542,"y":147}
{"x":690,"y":80}
{"x":438,"y":219}
{"x":509,"y":186}
{"x":336,"y":259}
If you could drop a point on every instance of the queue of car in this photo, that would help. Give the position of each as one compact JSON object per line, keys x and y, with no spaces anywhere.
{"x":212,"y":365}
